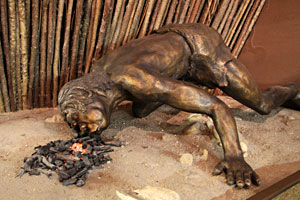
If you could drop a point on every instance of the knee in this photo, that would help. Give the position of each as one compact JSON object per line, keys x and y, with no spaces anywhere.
{"x":220,"y":108}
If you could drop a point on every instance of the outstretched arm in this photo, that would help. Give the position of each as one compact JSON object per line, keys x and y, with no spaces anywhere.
{"x":151,"y":87}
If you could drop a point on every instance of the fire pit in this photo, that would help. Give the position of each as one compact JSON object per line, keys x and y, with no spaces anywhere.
{"x":70,"y":159}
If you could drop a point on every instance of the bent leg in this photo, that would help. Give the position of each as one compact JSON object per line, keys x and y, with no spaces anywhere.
{"x":242,"y":87}
{"x":188,"y":97}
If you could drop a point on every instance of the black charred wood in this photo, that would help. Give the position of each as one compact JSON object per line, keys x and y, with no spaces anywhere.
{"x":63,"y":174}
{"x":78,"y":154}
{"x":34,"y":173}
{"x":84,"y":145}
{"x":70,"y":181}
{"x":81,"y":173}
{"x":66,"y":157}
{"x":84,"y":139}
{"x":48,"y":164}
{"x":72,"y":167}
{"x":80,"y":183}
{"x":70,"y":162}
{"x":86,"y":161}
{"x":58,"y":163}
{"x":71,"y":172}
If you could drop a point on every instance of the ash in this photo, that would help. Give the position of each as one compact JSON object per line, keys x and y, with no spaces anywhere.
{"x":72,"y":167}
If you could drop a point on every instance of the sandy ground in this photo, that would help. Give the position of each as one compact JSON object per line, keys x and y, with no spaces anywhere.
{"x":151,"y":153}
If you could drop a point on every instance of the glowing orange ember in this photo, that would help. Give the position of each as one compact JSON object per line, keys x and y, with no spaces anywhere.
{"x":78,"y":147}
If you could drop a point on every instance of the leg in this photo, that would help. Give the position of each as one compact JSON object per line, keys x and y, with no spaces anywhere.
{"x":142,"y":109}
{"x":243,"y":88}
{"x":188,"y":97}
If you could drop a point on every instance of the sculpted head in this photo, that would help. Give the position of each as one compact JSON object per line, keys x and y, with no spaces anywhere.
{"x":84,"y":107}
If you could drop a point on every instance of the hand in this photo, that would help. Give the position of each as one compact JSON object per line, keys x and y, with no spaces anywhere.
{"x":237,"y":172}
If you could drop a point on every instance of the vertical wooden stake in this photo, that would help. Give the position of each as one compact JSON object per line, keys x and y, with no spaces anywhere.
{"x":43,"y":62}
{"x":75,"y":40}
{"x":56,"y":52}
{"x":24,"y":50}
{"x":34,"y":48}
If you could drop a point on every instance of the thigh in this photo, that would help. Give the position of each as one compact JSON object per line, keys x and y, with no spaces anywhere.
{"x":241,"y":85}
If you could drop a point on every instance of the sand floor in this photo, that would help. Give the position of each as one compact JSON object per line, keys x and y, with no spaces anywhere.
{"x":151,"y":153}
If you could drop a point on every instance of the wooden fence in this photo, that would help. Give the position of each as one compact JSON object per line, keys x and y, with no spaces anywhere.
{"x":45,"y":43}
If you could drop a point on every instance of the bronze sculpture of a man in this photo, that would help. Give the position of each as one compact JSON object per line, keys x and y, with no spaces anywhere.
{"x":153,"y":70}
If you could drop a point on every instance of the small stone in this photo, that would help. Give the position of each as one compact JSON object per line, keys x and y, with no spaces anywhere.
{"x":58,"y":118}
{"x":244,"y":149}
{"x":124,"y":196}
{"x":157,"y":193}
{"x":186,"y":159}
{"x":204,"y":155}
{"x":166,"y":137}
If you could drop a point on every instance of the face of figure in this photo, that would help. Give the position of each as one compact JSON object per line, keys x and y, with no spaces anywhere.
{"x":92,"y":120}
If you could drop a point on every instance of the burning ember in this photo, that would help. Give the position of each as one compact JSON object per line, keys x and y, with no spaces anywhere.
{"x":70,"y":159}
{"x":78,"y":147}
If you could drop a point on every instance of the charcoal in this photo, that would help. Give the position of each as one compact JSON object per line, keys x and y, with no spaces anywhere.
{"x":86,"y":161}
{"x":51,"y":158}
{"x":66,"y":157}
{"x":84,"y":139}
{"x":60,"y":179}
{"x":60,"y":147}
{"x":63,"y":174}
{"x":71,"y":167}
{"x":84,"y":145}
{"x":71,"y":172}
{"x":27,"y":167}
{"x":53,"y":150}
{"x":58,"y":163}
{"x":96,"y":161}
{"x":34,"y":172}
{"x":81,"y":173}
{"x":67,"y":167}
{"x":80,"y":183}
{"x":69,"y":162}
{"x":78,"y":154}
{"x":83,"y":177}
{"x":66,"y":152}
{"x":48,"y":164}
{"x":44,"y":150}
{"x":77,"y":165}
{"x":20,"y":173}
{"x":70,"y":181}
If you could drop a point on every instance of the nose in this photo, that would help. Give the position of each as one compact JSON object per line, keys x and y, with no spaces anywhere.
{"x":83,"y":128}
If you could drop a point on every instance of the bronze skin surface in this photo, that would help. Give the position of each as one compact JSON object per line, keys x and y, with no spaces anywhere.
{"x":150,"y":72}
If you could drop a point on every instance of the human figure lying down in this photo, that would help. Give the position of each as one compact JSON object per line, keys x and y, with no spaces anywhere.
{"x":150,"y":72}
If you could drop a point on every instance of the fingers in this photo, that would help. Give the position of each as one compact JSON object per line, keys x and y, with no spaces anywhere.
{"x":247,"y":178}
{"x":241,"y":175}
{"x":240,"y":179}
{"x":230,"y":177}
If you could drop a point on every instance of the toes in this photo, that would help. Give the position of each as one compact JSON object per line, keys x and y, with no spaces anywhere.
{"x":255,"y":179}
{"x":219,"y":169}
{"x":239,"y":179}
{"x":230,"y":177}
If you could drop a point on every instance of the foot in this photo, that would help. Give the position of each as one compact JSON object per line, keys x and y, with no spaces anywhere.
{"x":296,"y":99}
{"x":237,"y":172}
